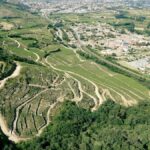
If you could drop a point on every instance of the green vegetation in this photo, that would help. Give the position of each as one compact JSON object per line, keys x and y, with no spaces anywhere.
{"x":8,"y":66}
{"x":148,"y":26}
{"x":122,"y":15}
{"x":53,"y":70}
{"x":140,"y":18}
{"x":116,"y":68}
{"x":5,"y":144}
{"x":126,"y":15}
{"x":130,"y":26}
{"x":111,"y":127}
{"x":65,"y":36}
{"x":9,"y":58}
{"x":51,"y":52}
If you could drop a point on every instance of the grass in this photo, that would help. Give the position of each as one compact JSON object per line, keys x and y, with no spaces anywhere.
{"x":100,"y":76}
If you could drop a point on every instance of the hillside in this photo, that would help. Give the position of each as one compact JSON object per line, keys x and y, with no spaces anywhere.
{"x":46,"y":62}
{"x":111,"y":127}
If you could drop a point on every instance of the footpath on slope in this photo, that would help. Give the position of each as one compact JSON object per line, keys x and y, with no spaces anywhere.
{"x":13,"y":75}
{"x":3,"y":123}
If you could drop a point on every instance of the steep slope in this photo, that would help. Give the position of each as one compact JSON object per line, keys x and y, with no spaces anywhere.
{"x":111,"y":127}
{"x":48,"y":71}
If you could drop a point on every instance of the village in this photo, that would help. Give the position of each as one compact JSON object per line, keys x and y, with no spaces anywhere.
{"x":83,"y":6}
{"x":127,"y":47}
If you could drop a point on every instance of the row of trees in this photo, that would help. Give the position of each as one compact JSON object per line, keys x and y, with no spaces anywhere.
{"x":130,"y":26}
{"x":125,"y":15}
{"x":51,"y":52}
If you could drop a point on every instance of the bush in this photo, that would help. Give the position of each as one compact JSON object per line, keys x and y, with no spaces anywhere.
{"x":50,"y":26}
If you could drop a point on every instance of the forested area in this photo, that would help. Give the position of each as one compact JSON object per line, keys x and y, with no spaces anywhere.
{"x":5,"y":144}
{"x":111,"y":127}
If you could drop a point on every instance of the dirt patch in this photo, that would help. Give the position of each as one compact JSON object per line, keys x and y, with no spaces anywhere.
{"x":6,"y":26}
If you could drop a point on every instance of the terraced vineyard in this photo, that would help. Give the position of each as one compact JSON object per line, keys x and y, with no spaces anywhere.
{"x":43,"y":71}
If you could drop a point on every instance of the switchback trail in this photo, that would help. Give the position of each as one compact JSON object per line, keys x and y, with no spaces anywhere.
{"x":100,"y":99}
{"x":3,"y":124}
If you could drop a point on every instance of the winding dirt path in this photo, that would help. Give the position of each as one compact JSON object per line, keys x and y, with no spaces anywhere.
{"x":101,"y":100}
{"x":124,"y":100}
{"x":18,"y":43}
{"x":13,"y":75}
{"x":3,"y":124}
{"x":7,"y":132}
{"x":3,"y":65}
{"x":109,"y":94}
{"x":37,"y":56}
{"x":19,"y":108}
{"x":48,"y":116}
{"x":96,"y":87}
{"x":82,"y":91}
{"x":48,"y":119}
{"x":76,"y":98}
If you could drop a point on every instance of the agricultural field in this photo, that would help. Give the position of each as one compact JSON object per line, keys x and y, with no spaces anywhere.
{"x":47,"y":61}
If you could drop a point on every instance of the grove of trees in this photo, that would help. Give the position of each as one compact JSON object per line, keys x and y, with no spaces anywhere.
{"x":111,"y":127}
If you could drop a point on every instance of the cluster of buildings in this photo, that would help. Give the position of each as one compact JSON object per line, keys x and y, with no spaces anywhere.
{"x":129,"y":47}
{"x":70,"y":6}
{"x":80,"y":6}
